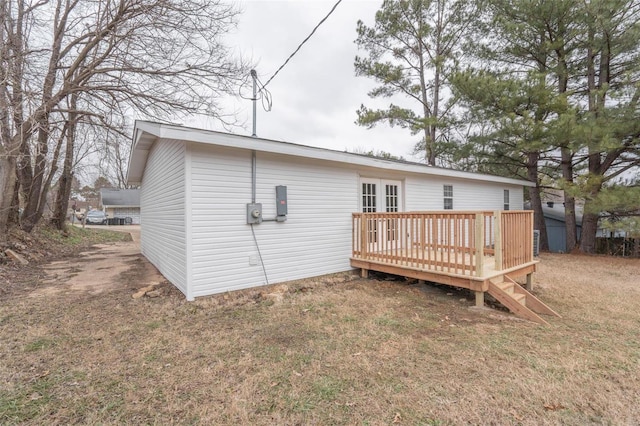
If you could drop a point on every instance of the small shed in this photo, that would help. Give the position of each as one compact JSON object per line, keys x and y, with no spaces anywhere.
{"x":556,"y":226}
{"x":223,"y":212}
{"x":123,"y":204}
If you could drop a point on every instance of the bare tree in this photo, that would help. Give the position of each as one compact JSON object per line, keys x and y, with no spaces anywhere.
{"x":113,"y":139}
{"x":157,"y":57}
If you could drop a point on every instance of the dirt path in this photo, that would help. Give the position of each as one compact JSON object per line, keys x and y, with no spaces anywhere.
{"x":101,"y":268}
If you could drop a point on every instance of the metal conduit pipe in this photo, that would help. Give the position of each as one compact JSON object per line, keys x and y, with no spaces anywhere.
{"x":254,"y":76}
{"x":253,"y":177}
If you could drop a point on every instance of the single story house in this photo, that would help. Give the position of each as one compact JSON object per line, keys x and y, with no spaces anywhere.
{"x":223,"y":212}
{"x":121,"y":203}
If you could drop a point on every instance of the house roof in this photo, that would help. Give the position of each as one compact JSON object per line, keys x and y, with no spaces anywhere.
{"x":120,"y":197}
{"x":146,"y":133}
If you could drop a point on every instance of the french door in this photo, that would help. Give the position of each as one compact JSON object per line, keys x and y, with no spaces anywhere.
{"x":379,"y":195}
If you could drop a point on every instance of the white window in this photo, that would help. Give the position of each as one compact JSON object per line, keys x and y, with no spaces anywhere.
{"x":448,"y":197}
{"x":506,"y":199}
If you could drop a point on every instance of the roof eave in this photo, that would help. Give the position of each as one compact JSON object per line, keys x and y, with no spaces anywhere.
{"x":146,"y":133}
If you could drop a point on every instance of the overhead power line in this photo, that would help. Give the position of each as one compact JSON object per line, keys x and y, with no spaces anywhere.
{"x":301,"y":44}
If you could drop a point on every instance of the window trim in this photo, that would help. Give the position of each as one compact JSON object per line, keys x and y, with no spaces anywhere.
{"x":506,"y":200}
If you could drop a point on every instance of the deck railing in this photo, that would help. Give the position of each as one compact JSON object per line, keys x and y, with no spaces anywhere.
{"x":451,"y":242}
{"x":516,"y":236}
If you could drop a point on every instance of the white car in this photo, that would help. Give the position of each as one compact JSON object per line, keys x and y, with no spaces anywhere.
{"x":97,"y":217}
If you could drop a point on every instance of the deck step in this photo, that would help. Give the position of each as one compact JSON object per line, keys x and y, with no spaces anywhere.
{"x":506,"y":286}
{"x":519,"y":300}
{"x":515,"y":302}
{"x":532,"y":302}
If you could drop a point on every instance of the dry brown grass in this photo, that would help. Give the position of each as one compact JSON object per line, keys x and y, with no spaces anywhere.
{"x":338,"y":350}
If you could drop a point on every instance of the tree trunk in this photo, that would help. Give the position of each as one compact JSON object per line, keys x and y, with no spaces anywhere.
{"x":61,"y":208}
{"x":33,"y":210}
{"x":590,"y":220}
{"x":7,"y":182}
{"x":66,"y":179}
{"x":14,"y":212}
{"x":589,"y":230}
{"x":571,"y":225}
{"x":536,"y":201}
{"x":566,"y":156}
{"x":571,"y":230}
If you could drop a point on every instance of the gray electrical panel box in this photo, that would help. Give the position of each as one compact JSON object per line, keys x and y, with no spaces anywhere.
{"x":281,"y":200}
{"x":254,"y":213}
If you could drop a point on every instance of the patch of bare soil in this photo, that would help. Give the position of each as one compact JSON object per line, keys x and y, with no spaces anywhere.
{"x":98,"y":270}
{"x":333,"y":350}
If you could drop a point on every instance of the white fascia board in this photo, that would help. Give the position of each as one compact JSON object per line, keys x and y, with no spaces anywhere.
{"x":143,"y":138}
{"x":176,"y":132}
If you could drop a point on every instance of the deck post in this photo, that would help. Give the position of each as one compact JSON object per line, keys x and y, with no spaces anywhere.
{"x":364,"y":273}
{"x":364,"y":236}
{"x":497,"y":240}
{"x":529,"y":285}
{"x":479,"y":299}
{"x":479,"y":237}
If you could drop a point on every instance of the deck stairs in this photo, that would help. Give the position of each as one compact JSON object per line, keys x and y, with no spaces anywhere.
{"x":518,"y":300}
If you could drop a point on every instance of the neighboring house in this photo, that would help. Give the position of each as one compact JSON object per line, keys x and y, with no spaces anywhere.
{"x":199,"y":190}
{"x":557,"y":230}
{"x":121,"y":203}
{"x":556,"y":226}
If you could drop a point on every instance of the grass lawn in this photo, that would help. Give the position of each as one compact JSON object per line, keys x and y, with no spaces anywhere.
{"x":336,"y":350}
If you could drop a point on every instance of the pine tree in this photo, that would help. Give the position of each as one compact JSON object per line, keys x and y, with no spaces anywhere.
{"x":412,"y":49}
{"x":571,"y":69}
{"x":609,"y":125}
{"x":517,"y":98}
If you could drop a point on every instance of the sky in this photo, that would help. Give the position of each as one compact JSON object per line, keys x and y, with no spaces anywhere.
{"x":316,"y":95}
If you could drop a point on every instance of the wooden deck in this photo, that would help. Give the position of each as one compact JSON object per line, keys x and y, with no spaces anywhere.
{"x":480,"y":251}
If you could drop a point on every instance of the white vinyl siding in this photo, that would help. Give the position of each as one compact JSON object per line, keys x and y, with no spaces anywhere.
{"x":316,"y":237}
{"x":194,"y":196}
{"x":426,"y":193}
{"x":162,"y":203}
{"x":314,"y":240}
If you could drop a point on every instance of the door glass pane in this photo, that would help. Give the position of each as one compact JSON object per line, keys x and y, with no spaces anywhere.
{"x":369,"y":197}
{"x":369,"y":206}
{"x":391,"y":198}
{"x":391,"y":206}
